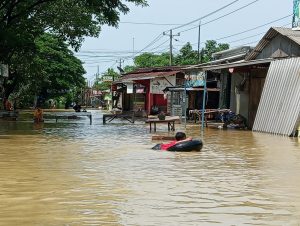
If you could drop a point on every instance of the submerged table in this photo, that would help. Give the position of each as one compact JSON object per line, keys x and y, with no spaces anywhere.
{"x":170,"y":122}
{"x":73,"y":114}
{"x":110,"y":117}
{"x":198,"y":113}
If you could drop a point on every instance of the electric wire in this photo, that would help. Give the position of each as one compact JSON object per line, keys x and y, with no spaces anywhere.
{"x":207,"y":15}
{"x":220,"y":17}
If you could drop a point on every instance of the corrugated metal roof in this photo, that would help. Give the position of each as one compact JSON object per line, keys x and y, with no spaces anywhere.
{"x":279,"y":108}
{"x":273,"y":32}
{"x":155,"y":69}
{"x":147,"y":75}
{"x":241,"y":63}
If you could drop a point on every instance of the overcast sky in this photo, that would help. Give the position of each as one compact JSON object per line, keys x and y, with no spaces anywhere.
{"x":129,"y":38}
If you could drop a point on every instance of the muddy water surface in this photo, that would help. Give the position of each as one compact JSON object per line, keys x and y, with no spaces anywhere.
{"x":73,"y":173}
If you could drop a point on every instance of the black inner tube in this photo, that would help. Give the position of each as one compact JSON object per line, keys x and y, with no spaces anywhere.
{"x":185,"y":146}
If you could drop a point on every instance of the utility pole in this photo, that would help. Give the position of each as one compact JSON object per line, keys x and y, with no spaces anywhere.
{"x":97,"y":75}
{"x":171,"y":44}
{"x":133,"y":47}
{"x":199,"y":39}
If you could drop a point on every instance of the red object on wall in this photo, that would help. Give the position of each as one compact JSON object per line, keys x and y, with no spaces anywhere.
{"x":159,"y":100}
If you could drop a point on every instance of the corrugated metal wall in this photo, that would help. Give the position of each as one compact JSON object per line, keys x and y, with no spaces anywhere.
{"x":279,"y":108}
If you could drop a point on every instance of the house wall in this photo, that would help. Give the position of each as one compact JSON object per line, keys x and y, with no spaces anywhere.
{"x":280,"y":42}
{"x":257,"y":82}
{"x":225,"y":90}
{"x":239,"y":95}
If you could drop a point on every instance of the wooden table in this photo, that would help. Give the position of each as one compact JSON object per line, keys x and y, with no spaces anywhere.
{"x":73,"y":114}
{"x":170,"y":122}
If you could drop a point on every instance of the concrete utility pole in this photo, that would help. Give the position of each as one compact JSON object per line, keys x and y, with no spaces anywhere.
{"x":199,"y":39}
{"x":171,"y":44}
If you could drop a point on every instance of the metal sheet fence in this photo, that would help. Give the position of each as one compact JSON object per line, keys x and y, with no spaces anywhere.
{"x":279,"y":108}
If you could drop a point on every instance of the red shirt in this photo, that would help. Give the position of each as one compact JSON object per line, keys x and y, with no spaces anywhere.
{"x":167,"y":145}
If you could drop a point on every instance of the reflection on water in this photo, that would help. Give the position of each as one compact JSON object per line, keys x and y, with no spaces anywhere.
{"x":73,"y":173}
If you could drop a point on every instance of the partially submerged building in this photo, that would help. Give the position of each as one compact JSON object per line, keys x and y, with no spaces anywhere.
{"x":265,"y":86}
{"x":142,"y":89}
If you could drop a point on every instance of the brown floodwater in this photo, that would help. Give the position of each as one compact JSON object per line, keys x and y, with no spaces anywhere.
{"x":73,"y":173}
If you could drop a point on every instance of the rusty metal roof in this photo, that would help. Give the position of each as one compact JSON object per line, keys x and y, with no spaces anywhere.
{"x":156,"y":69}
{"x":147,"y":75}
{"x":272,"y":33}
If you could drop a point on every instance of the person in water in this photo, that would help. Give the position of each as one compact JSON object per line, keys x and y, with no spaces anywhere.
{"x":179,"y":137}
{"x":38,"y":115}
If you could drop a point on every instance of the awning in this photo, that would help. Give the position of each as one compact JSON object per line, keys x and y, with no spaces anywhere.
{"x":147,"y":75}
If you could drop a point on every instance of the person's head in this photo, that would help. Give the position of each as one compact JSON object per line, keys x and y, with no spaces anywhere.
{"x":180,"y":136}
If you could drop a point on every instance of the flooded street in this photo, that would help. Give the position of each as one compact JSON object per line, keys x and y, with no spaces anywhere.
{"x":74,"y":173}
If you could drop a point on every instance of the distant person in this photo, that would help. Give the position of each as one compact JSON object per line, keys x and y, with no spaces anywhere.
{"x":38,"y":115}
{"x":77,"y":108}
{"x":8,"y":106}
{"x":179,"y":137}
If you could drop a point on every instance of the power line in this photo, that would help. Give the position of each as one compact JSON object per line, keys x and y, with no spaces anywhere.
{"x":227,"y":14}
{"x":147,"y":23}
{"x":245,"y":31}
{"x":251,"y":29}
{"x":159,"y":45}
{"x":159,"y":36}
{"x":207,"y":15}
{"x":150,"y":44}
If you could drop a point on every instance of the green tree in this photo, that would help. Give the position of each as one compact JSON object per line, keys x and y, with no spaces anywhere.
{"x":22,"y":22}
{"x":51,"y":72}
{"x":104,"y":82}
{"x":129,"y":68}
{"x":211,"y":46}
{"x":187,"y":56}
{"x":151,"y":60}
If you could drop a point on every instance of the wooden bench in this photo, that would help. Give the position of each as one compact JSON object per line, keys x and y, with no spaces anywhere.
{"x":73,"y":115}
{"x":198,"y":113}
{"x":170,"y":121}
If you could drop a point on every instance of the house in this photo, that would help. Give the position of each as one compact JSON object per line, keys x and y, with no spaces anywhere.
{"x":142,"y":90}
{"x":264,"y":87}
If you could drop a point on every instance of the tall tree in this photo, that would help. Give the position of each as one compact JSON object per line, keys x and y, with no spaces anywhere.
{"x":52,"y":71}
{"x":186,"y":56}
{"x":22,"y":22}
{"x":71,"y":19}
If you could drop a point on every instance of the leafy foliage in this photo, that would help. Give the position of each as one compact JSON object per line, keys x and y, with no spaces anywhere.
{"x":51,"y":72}
{"x":186,"y":56}
{"x":211,"y":46}
{"x":22,"y":21}
{"x":22,"y":28}
{"x":152,"y":60}
{"x":104,"y":82}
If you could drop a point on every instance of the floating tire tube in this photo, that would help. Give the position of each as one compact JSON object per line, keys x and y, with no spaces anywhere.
{"x":186,"y":146}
